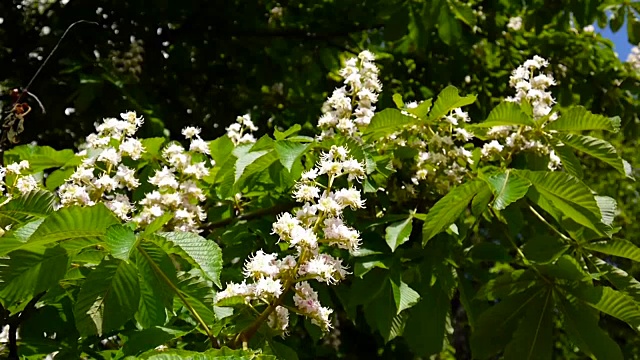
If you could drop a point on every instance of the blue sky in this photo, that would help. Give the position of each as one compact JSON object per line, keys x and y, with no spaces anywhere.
{"x":620,"y":40}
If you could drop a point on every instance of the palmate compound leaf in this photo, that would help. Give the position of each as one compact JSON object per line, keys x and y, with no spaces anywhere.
{"x":108,"y":298}
{"x":199,"y":252}
{"x":447,"y":210}
{"x":578,"y":118}
{"x":24,"y":208}
{"x":449,"y":99}
{"x":496,"y":326}
{"x":507,"y":187}
{"x":597,"y":148}
{"x":568,"y":195}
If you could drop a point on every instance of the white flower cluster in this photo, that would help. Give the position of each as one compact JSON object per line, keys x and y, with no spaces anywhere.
{"x":515,"y":23}
{"x":533,"y":89}
{"x":240,"y":131}
{"x":103,"y":175}
{"x":318,"y":222}
{"x":634,"y":58}
{"x":21,"y":183}
{"x":350,"y":108}
{"x":444,"y":155}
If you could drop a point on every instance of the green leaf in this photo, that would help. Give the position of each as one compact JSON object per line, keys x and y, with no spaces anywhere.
{"x":250,"y":158}
{"x":464,"y":13}
{"x":386,"y":122}
{"x":290,"y":152}
{"x":578,"y":118}
{"x":608,"y":208}
{"x":421,"y":110}
{"x":481,"y":201}
{"x":608,"y":301}
{"x":449,"y":208}
{"x":633,"y":27}
{"x":200,"y":252}
{"x":398,"y":233}
{"x":198,"y":293}
{"x":615,"y":247}
{"x":25,"y":274}
{"x":570,"y":161}
{"x":279,"y":135}
{"x":212,"y":354}
{"x":447,"y":100}
{"x":425,"y":327}
{"x":40,"y":157}
{"x":404,"y":296}
{"x":566,"y":268}
{"x":381,"y":314}
{"x":567,"y":194}
{"x":108,"y":298}
{"x":147,"y":339}
{"x":221,"y":148}
{"x":506,"y":114}
{"x":26,"y":208}
{"x":282,"y":351}
{"x":58,"y":177}
{"x":120,"y":240}
{"x":597,"y":148}
{"x":582,"y":326}
{"x":543,"y":249}
{"x":508,"y":284}
{"x":620,"y":279}
{"x":496,"y":326}
{"x":449,"y":30}
{"x":533,"y":339}
{"x":397,"y":99}
{"x":74,"y":222}
{"x":156,"y":276}
{"x":152,"y":147}
{"x":157,"y":224}
{"x":507,"y":188}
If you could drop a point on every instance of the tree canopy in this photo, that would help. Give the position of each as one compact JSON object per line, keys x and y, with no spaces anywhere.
{"x":475,"y":177}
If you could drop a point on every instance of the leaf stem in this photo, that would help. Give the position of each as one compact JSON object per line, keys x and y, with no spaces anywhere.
{"x":563,"y":236}
{"x":157,"y":270}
